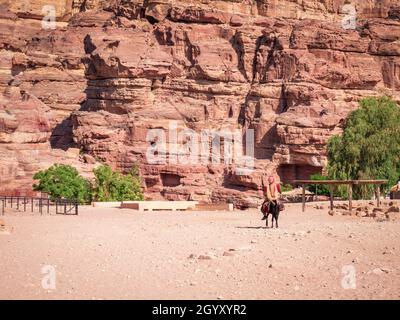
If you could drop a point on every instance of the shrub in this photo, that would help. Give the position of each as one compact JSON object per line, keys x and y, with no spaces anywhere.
{"x":63,"y":181}
{"x":114,"y":186}
{"x":319,"y":189}
{"x":369,"y":147}
{"x":286,"y":187}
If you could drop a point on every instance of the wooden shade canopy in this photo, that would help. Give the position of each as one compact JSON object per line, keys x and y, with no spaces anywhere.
{"x":350,"y":184}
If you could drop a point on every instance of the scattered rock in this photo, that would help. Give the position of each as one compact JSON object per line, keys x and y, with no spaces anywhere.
{"x":342,"y":206}
{"x":392,"y":216}
{"x":5,"y":229}
{"x":393,"y":209}
{"x":89,"y":159}
{"x":228,"y":254}
{"x":385,"y":270}
{"x":205,"y":257}
{"x":380,"y":271}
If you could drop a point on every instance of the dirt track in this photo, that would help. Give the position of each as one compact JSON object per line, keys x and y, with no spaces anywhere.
{"x":119,"y":254}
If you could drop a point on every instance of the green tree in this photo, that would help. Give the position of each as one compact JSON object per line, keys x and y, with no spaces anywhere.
{"x":63,"y":181}
{"x":320,"y":189}
{"x":114,"y":186}
{"x":370,"y":145}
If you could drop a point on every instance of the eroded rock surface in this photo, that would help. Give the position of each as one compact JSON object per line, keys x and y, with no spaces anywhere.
{"x":112,"y":70}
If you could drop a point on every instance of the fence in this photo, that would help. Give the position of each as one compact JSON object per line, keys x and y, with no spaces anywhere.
{"x":42,"y":205}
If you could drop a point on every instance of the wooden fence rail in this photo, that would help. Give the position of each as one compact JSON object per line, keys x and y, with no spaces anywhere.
{"x":349,"y":183}
{"x":43,"y":205}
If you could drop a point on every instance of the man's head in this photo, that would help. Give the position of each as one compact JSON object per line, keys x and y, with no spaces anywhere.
{"x":271,"y":179}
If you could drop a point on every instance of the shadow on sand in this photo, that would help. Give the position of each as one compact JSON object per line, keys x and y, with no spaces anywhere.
{"x":260,"y":227}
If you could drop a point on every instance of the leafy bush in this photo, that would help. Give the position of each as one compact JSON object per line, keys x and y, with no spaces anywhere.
{"x":319,"y":189}
{"x":113,"y":186}
{"x":286,"y":187}
{"x":63,"y":181}
{"x":369,"y":147}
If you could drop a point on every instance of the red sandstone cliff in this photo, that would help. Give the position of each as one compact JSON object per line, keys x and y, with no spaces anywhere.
{"x":111,"y":70}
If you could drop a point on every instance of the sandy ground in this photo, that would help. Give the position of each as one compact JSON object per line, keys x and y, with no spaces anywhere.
{"x":121,"y":254}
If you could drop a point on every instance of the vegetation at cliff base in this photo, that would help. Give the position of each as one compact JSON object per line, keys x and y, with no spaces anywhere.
{"x":63,"y":181}
{"x":114,"y":186}
{"x":369,"y":147}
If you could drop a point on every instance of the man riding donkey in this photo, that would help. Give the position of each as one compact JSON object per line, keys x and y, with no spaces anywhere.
{"x":271,"y":204}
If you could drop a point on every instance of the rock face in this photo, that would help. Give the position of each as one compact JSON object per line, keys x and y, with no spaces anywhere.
{"x":110,"y":71}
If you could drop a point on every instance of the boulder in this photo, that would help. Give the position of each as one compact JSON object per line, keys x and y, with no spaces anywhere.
{"x":393,"y":209}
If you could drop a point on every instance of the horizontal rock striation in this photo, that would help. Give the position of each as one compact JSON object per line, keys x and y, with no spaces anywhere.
{"x":110,"y":71}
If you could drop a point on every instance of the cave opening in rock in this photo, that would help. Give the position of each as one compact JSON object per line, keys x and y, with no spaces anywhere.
{"x":290,"y":172}
{"x":170,"y":179}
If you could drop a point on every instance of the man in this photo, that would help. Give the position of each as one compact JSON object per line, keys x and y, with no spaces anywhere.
{"x":396,"y":187}
{"x":271,"y":204}
{"x":395,"y":190}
